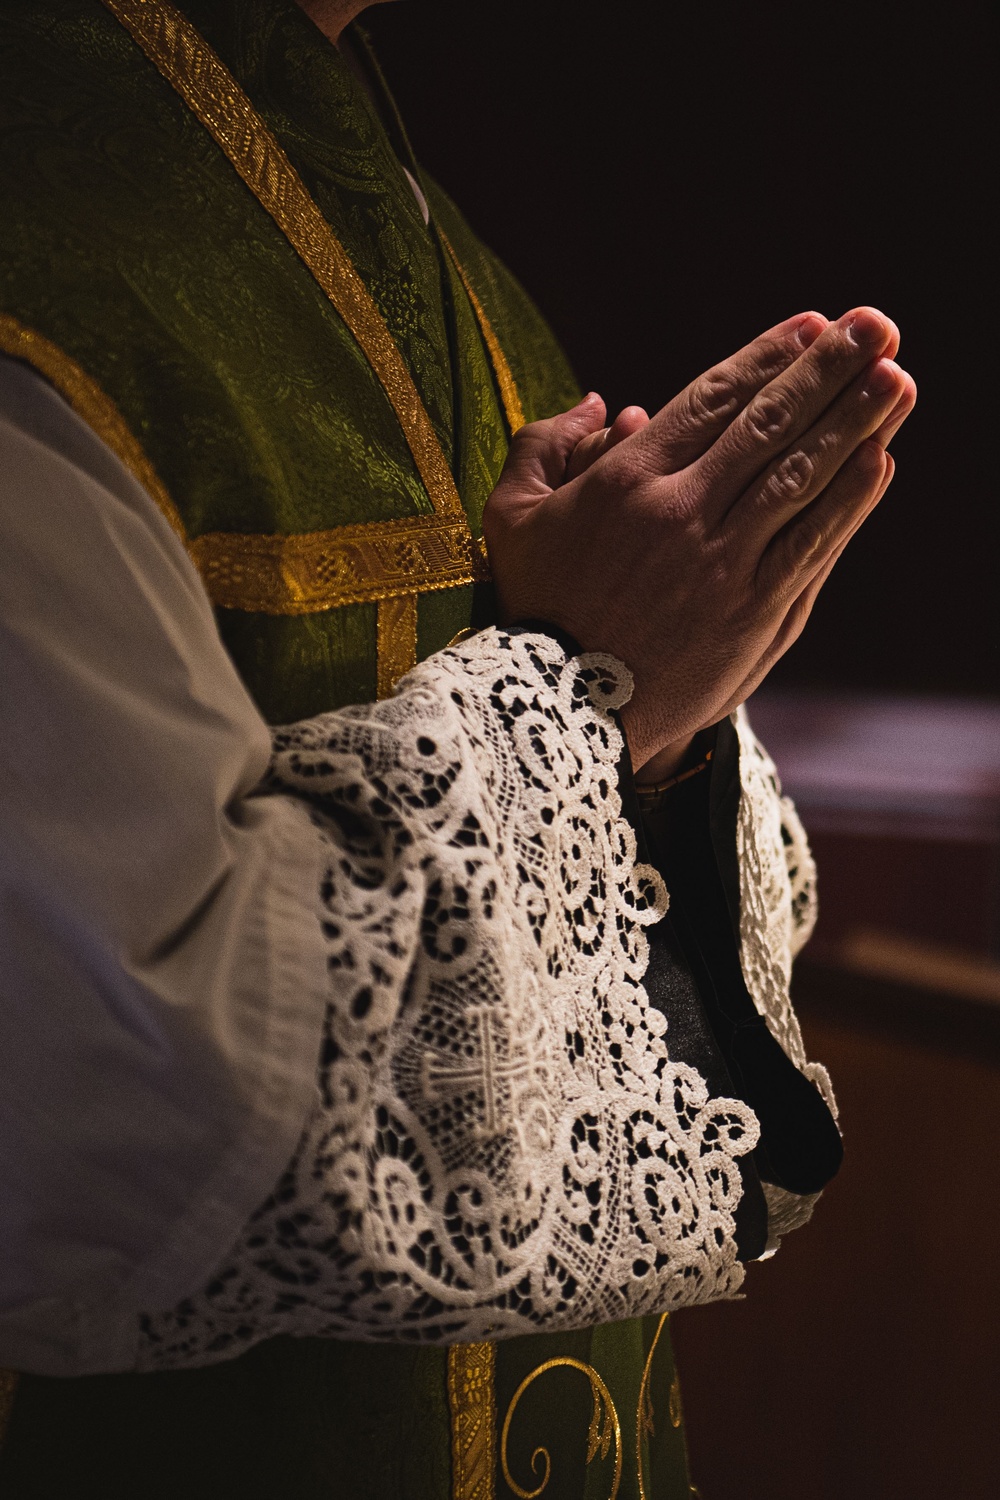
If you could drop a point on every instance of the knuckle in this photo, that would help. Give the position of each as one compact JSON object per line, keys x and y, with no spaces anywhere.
{"x":713,"y":396}
{"x":809,"y":539}
{"x":770,"y":415}
{"x":792,"y":478}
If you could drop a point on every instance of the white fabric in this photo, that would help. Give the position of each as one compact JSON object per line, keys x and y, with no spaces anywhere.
{"x":449,"y":942}
{"x":162,"y":976}
{"x":777,"y":899}
{"x":503,"y":1145}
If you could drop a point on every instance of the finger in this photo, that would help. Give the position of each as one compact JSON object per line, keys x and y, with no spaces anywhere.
{"x":799,"y":610}
{"x":892,"y":347}
{"x":804,"y":470}
{"x":803,"y":547}
{"x":898,"y":415}
{"x":536,"y":460}
{"x":586,"y":453}
{"x":630,"y":420}
{"x":693,"y":420}
{"x":807,"y":598}
{"x":786,"y":408}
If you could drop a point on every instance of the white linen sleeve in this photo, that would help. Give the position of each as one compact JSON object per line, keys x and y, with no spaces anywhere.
{"x":162,"y":972}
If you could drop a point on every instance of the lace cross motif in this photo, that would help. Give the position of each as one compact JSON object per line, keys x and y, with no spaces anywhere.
{"x":488,"y":1065}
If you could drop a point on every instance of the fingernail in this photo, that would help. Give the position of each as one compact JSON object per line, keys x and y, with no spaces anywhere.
{"x":866,"y":327}
{"x":809,"y":330}
{"x":883,"y":379}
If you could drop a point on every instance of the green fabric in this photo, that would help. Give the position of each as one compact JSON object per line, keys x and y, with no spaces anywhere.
{"x":314,"y":1419}
{"x":130,"y":242}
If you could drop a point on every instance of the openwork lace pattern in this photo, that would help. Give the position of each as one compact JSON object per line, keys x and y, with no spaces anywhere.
{"x":785,"y":1211}
{"x":501,"y":1143}
{"x":777,"y":899}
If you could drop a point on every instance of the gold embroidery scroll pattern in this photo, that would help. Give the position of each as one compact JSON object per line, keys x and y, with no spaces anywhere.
{"x":505,"y":379}
{"x":212,"y":94}
{"x":90,"y":404}
{"x":644,"y":1427}
{"x":604,"y":1426}
{"x":473,"y":1420}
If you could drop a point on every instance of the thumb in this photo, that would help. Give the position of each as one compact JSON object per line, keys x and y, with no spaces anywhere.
{"x":539,"y":451}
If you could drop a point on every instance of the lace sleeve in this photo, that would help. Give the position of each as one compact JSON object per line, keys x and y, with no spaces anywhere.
{"x":777,"y":916}
{"x":500,"y":1142}
{"x":777,"y":900}
{"x":801,"y":876}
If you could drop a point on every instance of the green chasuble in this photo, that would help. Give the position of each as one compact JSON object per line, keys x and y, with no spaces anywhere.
{"x":235,"y":285}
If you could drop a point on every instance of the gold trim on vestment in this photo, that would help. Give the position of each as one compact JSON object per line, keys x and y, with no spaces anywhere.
{"x":397,"y":641}
{"x":315,"y":571}
{"x":644,"y":1411}
{"x":306,"y":572}
{"x":505,"y":379}
{"x":303,"y":573}
{"x":210,"y":91}
{"x":604,"y":1425}
{"x":473,"y":1420}
{"x":91,"y":404}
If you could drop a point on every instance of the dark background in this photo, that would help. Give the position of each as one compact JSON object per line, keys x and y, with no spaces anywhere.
{"x":669,"y":180}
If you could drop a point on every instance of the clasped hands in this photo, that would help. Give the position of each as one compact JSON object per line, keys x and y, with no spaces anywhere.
{"x":692,"y":545}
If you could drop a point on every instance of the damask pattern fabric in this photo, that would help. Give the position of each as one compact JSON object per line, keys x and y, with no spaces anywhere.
{"x":131,"y":243}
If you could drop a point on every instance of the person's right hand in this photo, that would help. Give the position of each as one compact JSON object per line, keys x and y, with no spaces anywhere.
{"x":693,"y":547}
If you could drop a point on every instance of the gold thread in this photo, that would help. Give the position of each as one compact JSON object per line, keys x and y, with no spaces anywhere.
{"x":505,"y":378}
{"x":603,"y":1424}
{"x":644,"y":1411}
{"x":313,"y":571}
{"x":303,"y":573}
{"x":471,"y":1402}
{"x":91,"y":404}
{"x":210,"y":91}
{"x":397,"y":640}
{"x":310,"y":571}
{"x":8,"y":1387}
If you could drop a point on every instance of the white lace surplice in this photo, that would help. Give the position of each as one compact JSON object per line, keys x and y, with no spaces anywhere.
{"x":503,"y":1144}
{"x":444,"y":1031}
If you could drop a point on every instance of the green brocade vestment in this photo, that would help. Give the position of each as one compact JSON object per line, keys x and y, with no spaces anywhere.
{"x":153,"y":286}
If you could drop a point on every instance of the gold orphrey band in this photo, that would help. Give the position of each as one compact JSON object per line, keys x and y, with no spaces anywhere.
{"x":317,"y":571}
{"x":473,"y":1420}
{"x":185,"y":60}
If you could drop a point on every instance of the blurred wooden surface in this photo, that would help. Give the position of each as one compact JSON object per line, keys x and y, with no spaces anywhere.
{"x":901,"y":798}
{"x":865,"y":1360}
